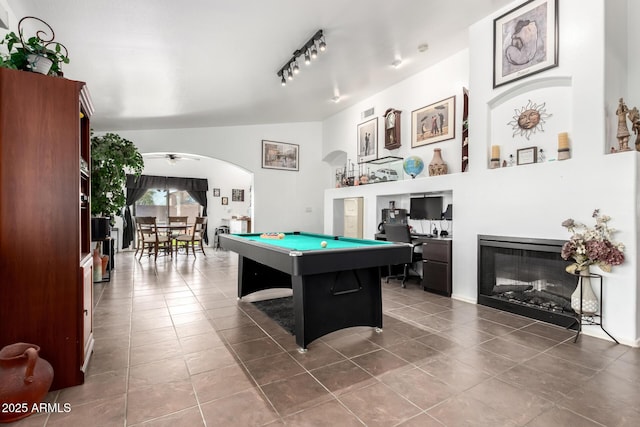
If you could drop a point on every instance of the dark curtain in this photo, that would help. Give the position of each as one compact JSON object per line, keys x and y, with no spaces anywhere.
{"x":200,"y":196}
{"x":138,"y":185}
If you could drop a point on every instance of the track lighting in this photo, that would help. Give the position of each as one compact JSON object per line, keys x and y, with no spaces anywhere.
{"x":309,"y":50}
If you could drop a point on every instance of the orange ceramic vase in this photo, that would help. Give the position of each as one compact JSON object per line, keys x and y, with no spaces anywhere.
{"x":25,"y":379}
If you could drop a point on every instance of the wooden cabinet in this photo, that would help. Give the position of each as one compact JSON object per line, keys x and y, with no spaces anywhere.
{"x":44,"y":219}
{"x":436,"y":266}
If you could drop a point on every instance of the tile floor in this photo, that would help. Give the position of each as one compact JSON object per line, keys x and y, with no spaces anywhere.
{"x":175,"y":348}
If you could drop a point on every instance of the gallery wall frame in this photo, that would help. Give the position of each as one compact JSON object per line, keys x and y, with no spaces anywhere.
{"x":280,"y":155}
{"x":525,"y":41}
{"x":367,"y":143}
{"x":216,"y":192}
{"x":237,"y":195}
{"x":434,"y":123}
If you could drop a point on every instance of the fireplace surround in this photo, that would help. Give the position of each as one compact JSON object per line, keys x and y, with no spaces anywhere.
{"x":526,"y":276}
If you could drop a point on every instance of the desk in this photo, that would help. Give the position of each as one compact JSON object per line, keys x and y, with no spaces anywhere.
{"x":333,"y":288}
{"x":436,"y":262}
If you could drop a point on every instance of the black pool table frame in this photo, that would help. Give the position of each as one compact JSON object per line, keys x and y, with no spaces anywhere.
{"x":332,"y":288}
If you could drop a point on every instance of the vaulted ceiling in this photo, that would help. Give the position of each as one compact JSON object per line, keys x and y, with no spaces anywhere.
{"x":156,"y":64}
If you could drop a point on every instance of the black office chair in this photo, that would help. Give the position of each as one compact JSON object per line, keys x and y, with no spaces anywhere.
{"x":401,"y":233}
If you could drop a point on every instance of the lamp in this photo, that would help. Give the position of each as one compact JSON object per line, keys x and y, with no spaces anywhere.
{"x":309,"y":51}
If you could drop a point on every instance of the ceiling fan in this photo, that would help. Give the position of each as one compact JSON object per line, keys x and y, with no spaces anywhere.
{"x":171,"y":158}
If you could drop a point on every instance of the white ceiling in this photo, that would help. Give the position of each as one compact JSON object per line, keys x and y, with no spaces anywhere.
{"x":153,"y":64}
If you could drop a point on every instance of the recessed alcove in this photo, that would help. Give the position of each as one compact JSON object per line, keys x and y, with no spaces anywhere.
{"x":547,"y":101}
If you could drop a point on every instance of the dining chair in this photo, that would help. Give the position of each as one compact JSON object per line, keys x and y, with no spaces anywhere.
{"x":190,"y":240}
{"x":149,"y":237}
{"x":400,"y":233}
{"x":177,"y":226}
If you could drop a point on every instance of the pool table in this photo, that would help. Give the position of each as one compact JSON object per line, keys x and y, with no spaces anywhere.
{"x":334,"y":287}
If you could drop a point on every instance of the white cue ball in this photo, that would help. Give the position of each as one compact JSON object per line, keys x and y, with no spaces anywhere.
{"x":323,"y":244}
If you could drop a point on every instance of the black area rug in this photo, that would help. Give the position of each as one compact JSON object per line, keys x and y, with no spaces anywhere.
{"x":280,"y":310}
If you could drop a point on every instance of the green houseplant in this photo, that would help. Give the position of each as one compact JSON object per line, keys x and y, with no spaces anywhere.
{"x":111,"y":158}
{"x":38,"y":53}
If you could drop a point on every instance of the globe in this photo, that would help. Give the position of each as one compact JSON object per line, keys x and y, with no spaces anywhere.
{"x":413,"y":165}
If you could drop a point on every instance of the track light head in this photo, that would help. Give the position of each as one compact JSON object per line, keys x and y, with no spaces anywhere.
{"x":314,"y":52}
{"x":307,"y":59}
{"x":283,"y":81}
{"x":322,"y":45}
{"x":296,"y":69}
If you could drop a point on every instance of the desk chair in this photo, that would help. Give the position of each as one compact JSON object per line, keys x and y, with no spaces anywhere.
{"x":400,"y":233}
{"x":195,"y":237}
{"x":150,"y":239}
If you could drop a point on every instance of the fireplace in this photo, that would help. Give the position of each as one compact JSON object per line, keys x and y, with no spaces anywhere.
{"x":526,"y":277}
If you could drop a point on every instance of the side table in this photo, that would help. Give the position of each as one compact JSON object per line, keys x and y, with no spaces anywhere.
{"x":582,"y":319}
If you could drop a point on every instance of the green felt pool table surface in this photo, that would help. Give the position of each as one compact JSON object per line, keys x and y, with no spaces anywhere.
{"x":310,"y":241}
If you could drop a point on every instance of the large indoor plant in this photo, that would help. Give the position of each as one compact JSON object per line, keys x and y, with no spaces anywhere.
{"x":112,"y":157}
{"x":38,"y":53}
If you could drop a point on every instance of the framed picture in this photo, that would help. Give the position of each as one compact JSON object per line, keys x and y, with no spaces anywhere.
{"x":368,"y":140}
{"x":216,"y":192}
{"x":225,"y":200}
{"x":280,"y":155}
{"x":525,"y":41}
{"x":433,"y":123}
{"x":528,"y":155}
{"x":237,"y":195}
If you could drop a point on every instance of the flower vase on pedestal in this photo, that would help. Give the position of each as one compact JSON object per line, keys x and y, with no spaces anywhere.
{"x":584,"y":291}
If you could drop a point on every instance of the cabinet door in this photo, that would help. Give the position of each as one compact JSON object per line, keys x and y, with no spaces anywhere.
{"x":435,"y":277}
{"x":87,"y":311}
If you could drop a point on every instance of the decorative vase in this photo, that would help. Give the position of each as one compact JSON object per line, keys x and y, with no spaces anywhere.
{"x":590,"y":303}
{"x":25,"y":379}
{"x":97,"y":265}
{"x":437,"y":166}
{"x":105,"y":262}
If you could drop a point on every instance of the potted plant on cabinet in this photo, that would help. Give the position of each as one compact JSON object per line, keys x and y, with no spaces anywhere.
{"x":38,"y":53}
{"x":111,"y":158}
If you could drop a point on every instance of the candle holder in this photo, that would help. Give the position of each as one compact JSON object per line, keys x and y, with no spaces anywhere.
{"x":564,"y":152}
{"x":494,"y":163}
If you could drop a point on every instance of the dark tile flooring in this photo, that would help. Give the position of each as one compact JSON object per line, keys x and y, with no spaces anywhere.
{"x":174,"y":347}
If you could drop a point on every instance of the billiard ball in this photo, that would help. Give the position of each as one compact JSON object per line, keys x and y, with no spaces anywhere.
{"x":323,"y":244}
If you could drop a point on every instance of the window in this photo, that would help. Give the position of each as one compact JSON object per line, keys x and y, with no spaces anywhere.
{"x":165,"y":203}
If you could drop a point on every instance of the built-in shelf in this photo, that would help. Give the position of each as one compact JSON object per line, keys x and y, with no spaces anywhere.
{"x":384,"y":160}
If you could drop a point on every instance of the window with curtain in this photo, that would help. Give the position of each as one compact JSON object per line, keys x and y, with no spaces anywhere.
{"x":165,"y":196}
{"x":165,"y":203}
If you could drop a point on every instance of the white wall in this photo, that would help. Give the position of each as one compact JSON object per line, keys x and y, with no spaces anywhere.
{"x":283,"y":200}
{"x":529,"y":200}
{"x":420,"y":90}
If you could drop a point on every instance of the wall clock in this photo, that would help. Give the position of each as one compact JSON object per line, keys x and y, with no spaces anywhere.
{"x":392,"y":129}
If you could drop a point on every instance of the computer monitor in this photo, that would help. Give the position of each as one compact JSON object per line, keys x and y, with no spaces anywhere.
{"x":425,"y":208}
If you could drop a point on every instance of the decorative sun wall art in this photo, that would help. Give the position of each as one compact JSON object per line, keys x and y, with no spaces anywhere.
{"x":529,"y":119}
